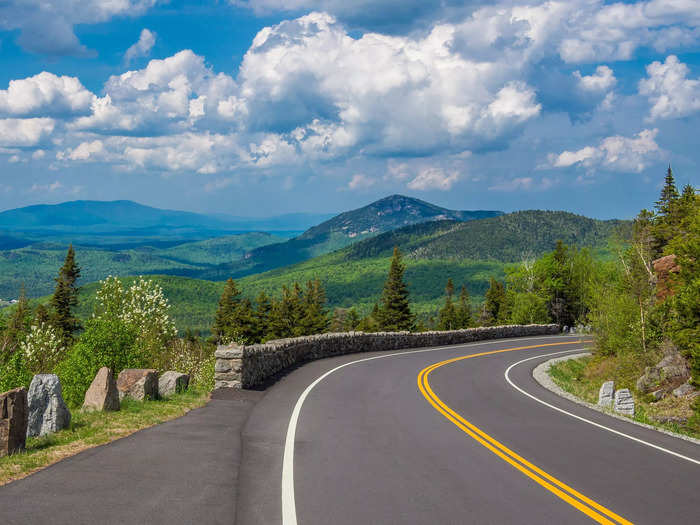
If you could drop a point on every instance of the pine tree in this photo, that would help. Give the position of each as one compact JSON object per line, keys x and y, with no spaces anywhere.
{"x":18,"y":325}
{"x":464,"y":310}
{"x":447,"y":318}
{"x":395,"y":311}
{"x":65,"y":298}
{"x":263,"y":310}
{"x":494,"y":301}
{"x":352,"y":320}
{"x":315,"y":317}
{"x":223,"y":318}
{"x":669,"y":195}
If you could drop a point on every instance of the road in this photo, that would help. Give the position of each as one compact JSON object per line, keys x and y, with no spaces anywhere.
{"x":430,"y":437}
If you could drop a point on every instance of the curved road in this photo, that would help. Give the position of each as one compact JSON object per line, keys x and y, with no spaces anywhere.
{"x":433,"y":436}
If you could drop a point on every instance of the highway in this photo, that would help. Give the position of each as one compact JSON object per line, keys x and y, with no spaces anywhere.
{"x":443,"y":436}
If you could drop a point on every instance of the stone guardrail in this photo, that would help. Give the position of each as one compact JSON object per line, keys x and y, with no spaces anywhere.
{"x":249,"y":366}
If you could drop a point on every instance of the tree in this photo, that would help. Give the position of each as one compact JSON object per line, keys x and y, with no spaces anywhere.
{"x":287,"y":313}
{"x":223,"y":318}
{"x":263,"y":310}
{"x":65,"y":298}
{"x":494,"y":301}
{"x":669,"y":195}
{"x":463,"y":312}
{"x":447,"y":318}
{"x":19,"y":322}
{"x":395,"y":311}
{"x":315,"y":317}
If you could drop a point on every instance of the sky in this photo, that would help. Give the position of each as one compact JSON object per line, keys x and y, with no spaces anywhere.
{"x":264,"y":107}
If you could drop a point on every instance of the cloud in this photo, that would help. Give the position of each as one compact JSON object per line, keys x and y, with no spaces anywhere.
{"x":44,"y":188}
{"x":142,"y":47}
{"x":45,"y":94}
{"x":601,"y":81}
{"x":47,"y":27}
{"x":668,"y":89}
{"x":433,"y":179}
{"x":615,"y":153}
{"x":23,"y":133}
{"x":361,"y":181}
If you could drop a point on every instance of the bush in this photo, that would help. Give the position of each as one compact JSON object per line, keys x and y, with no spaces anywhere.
{"x":105,"y":342}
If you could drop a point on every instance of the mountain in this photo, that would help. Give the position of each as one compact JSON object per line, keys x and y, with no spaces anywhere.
{"x":506,"y":238}
{"x":381,"y":216}
{"x":127,"y":223}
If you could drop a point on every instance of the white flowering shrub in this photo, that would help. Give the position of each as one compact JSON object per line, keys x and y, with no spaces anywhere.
{"x":192,"y":357}
{"x":142,"y":306}
{"x":42,"y":348}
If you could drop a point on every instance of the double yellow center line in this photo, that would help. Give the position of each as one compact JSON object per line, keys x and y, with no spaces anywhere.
{"x":574,"y":498}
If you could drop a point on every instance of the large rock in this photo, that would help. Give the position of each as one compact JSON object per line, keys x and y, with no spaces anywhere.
{"x":13,"y":421}
{"x":624,"y":402}
{"x":672,"y":369}
{"x":103,"y":393}
{"x":48,"y":412}
{"x":664,"y":268}
{"x":138,"y":383}
{"x":605,"y":394}
{"x":172,"y":382}
{"x":685,"y":389}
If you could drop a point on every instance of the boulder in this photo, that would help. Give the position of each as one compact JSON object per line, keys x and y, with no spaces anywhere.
{"x":672,"y":368}
{"x":48,"y":412}
{"x":684,"y":390}
{"x":624,"y":402}
{"x":102,"y":394}
{"x":13,"y":421}
{"x":664,"y":267}
{"x":657,"y":395}
{"x":138,"y":383}
{"x":172,"y":382}
{"x":605,"y":394}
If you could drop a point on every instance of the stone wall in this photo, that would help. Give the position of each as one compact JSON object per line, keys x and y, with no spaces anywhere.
{"x":248,"y":366}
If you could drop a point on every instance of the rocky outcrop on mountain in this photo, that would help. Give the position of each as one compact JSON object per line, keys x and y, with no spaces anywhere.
{"x":667,"y":375}
{"x":664,"y":268}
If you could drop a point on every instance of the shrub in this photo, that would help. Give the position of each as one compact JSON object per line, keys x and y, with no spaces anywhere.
{"x":105,"y":342}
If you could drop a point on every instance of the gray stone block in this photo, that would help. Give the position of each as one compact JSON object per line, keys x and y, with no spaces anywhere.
{"x":48,"y":412}
{"x":624,"y":402}
{"x":605,"y":394}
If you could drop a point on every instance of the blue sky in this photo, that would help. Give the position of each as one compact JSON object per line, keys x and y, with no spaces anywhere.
{"x":260,"y":107}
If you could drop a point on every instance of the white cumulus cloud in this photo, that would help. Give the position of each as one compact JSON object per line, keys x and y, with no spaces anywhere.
{"x":45,"y":94}
{"x":615,"y":153}
{"x":142,"y":47}
{"x":670,"y":91}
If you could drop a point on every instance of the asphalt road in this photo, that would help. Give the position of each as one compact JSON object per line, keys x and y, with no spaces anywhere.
{"x":372,"y":446}
{"x":180,"y":472}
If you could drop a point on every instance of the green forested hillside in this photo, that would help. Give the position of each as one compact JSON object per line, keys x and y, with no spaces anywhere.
{"x":507,"y":238}
{"x":384,"y":215}
{"x":35,"y":266}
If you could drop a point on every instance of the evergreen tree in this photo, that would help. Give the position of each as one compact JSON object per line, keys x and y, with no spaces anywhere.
{"x":395,"y":312}
{"x":17,"y":327}
{"x":41,"y":315}
{"x":370,"y":323}
{"x":494,"y":301}
{"x":263,"y":310}
{"x":65,"y":298}
{"x":352,"y":320}
{"x":287,"y":313}
{"x":669,"y":195}
{"x":464,"y":311}
{"x":225,"y":312}
{"x":447,"y":318}
{"x":315,"y":317}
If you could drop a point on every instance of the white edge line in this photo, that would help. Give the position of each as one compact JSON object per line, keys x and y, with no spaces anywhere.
{"x":289,"y":513}
{"x":617,"y":432}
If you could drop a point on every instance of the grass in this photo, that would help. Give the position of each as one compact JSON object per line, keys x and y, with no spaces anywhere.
{"x":583,"y":377}
{"x":90,"y":429}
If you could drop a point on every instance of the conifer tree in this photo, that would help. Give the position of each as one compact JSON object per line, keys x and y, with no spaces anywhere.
{"x":395,"y":311}
{"x":65,"y":298}
{"x":18,"y":325}
{"x":223,"y":318}
{"x":494,"y":301}
{"x":352,"y":320}
{"x":315,"y":317}
{"x":669,"y":195}
{"x":464,"y":310}
{"x":447,"y":317}
{"x":263,"y":310}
